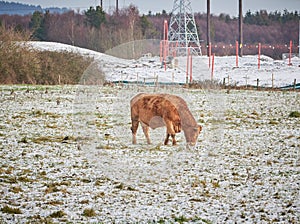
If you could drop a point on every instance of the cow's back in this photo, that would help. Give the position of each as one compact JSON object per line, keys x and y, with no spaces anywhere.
{"x":152,"y":109}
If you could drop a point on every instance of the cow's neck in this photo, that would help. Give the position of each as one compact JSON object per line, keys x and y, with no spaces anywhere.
{"x":187,"y":119}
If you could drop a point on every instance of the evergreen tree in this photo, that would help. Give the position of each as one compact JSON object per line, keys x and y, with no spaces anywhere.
{"x":95,"y":17}
{"x":37,"y":24}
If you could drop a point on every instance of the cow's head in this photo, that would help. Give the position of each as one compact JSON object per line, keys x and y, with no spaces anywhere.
{"x":191,"y":134}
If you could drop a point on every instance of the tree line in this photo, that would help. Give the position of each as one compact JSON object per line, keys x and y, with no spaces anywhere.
{"x":98,"y":30}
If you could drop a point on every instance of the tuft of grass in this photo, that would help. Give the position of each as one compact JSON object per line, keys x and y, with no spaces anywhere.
{"x":58,"y":214}
{"x":25,"y":179}
{"x":295,"y":114}
{"x":54,"y":202}
{"x":10,"y":210}
{"x":273,"y":122}
{"x":23,"y":140}
{"x":215,"y":184}
{"x":181,"y":219}
{"x":16,"y":189}
{"x":86,"y":201}
{"x":89,"y":212}
{"x":54,"y":187}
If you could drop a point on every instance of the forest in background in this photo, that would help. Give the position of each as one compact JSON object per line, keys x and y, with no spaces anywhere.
{"x":97,"y":30}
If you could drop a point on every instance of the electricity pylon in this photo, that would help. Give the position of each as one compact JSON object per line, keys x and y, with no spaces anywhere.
{"x":183,"y":36}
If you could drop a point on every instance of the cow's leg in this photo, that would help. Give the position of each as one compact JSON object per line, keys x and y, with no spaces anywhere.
{"x":173,"y":139}
{"x":170,"y":131}
{"x":134,"y":127}
{"x":167,"y":139}
{"x":146,"y":132}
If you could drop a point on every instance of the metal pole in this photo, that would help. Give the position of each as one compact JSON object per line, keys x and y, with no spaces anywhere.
{"x":208,"y":26}
{"x":290,"y":53}
{"x":117,"y":7}
{"x":236,"y":54}
{"x":241,"y":27}
{"x":259,"y":51}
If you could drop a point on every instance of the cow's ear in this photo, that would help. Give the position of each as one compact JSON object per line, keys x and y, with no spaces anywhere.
{"x":199,"y":128}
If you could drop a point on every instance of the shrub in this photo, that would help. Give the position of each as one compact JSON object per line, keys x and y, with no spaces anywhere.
{"x":20,"y":64}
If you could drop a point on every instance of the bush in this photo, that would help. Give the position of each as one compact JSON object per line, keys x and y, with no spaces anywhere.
{"x":20,"y":64}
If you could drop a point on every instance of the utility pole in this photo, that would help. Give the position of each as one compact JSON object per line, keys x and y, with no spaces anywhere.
{"x":241,"y":28}
{"x":117,"y":7}
{"x":208,"y":26}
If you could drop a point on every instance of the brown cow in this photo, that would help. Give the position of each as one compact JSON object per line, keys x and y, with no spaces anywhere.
{"x":158,"y":110}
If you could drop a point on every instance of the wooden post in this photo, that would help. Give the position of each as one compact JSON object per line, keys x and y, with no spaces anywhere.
{"x":295,"y":81}
{"x":290,"y":53}
{"x":228,"y":79}
{"x":257,"y":83}
{"x":246,"y":81}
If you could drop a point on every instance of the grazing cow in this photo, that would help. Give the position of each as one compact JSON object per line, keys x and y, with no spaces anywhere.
{"x":158,"y":110}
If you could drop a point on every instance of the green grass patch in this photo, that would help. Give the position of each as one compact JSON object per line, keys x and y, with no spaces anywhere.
{"x":89,"y":212}
{"x":58,"y":214}
{"x":10,"y":210}
{"x":294,"y":114}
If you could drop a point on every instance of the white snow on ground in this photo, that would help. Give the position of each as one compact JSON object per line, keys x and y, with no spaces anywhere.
{"x":67,"y":149}
{"x":146,"y":69}
{"x":66,"y":154}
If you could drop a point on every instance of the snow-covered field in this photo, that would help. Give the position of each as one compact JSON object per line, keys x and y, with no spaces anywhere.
{"x":66,"y":156}
{"x":275,"y":73}
{"x":66,"y":153}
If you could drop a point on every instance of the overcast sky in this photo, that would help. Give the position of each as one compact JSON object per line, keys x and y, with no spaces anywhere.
{"x":217,"y":6}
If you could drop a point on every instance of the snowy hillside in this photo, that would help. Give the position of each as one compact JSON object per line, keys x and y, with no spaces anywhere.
{"x":148,"y":68}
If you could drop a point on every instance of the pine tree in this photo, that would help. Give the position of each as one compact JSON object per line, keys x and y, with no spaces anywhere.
{"x":95,"y":17}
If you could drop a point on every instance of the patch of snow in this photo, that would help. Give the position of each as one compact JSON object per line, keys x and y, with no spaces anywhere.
{"x":146,"y":70}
